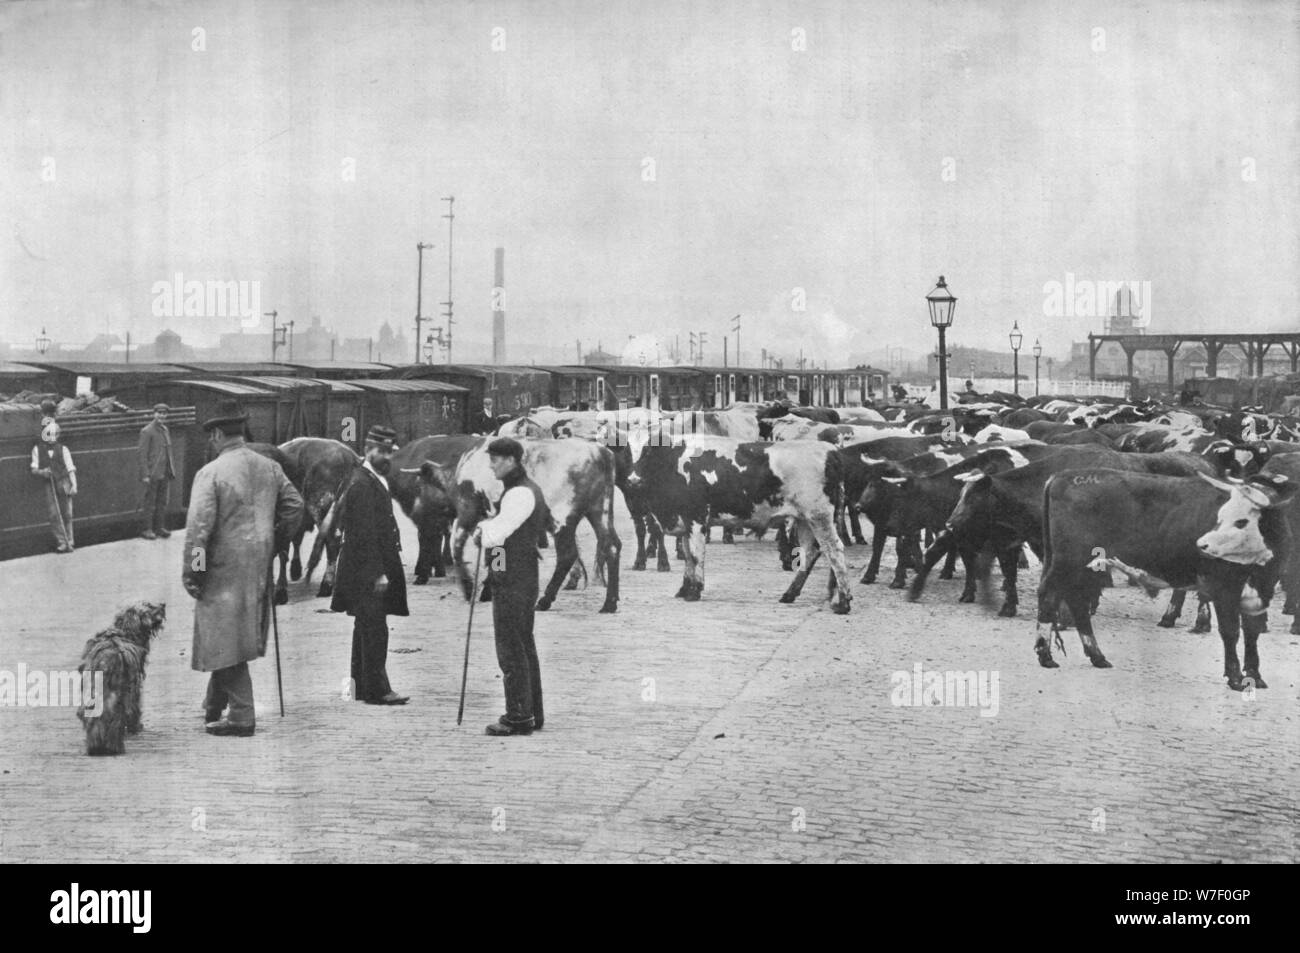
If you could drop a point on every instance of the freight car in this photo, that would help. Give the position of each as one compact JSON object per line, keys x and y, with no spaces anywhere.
{"x":110,"y":497}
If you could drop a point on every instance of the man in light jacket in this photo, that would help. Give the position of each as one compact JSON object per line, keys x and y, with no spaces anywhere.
{"x":240,"y":505}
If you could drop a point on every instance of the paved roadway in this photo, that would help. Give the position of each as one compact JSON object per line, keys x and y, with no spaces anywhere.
{"x":733,"y":729}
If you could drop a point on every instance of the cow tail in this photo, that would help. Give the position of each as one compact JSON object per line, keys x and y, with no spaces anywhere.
{"x":1045,"y":576}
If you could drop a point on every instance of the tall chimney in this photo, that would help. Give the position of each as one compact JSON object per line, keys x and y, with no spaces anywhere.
{"x":499,"y":309}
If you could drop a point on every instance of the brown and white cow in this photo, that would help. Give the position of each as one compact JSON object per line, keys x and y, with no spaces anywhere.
{"x":576,"y":478}
{"x":695,"y":478}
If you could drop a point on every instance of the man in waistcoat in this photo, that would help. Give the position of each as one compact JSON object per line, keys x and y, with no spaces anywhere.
{"x":510,"y":554}
{"x":52,"y":464}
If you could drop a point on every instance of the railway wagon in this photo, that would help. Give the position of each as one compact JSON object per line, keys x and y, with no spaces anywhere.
{"x":16,"y":378}
{"x":576,"y":387}
{"x":110,"y":497}
{"x":414,"y":408}
{"x":339,"y":370}
{"x":493,"y":389}
{"x":71,"y":378}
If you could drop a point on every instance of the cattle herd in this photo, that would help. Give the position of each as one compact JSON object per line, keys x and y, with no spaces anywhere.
{"x":1177,"y":497}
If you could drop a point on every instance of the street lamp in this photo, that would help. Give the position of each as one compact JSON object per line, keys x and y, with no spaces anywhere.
{"x":1016,"y":338}
{"x":43,"y":342}
{"x":942,"y":304}
{"x":1038,"y":352}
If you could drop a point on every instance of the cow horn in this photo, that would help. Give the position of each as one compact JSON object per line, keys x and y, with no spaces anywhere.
{"x":895,"y":480}
{"x":1216,"y":483}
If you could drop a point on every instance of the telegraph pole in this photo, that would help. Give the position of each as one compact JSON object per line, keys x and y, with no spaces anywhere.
{"x":272,"y":315}
{"x":451,"y":221}
{"x":419,"y":287}
{"x":736,"y":327}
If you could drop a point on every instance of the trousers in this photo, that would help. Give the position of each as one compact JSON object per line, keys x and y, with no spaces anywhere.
{"x":155,"y":504}
{"x":513,"y":612}
{"x":231,"y":687}
{"x":58,"y":508}
{"x":370,"y":649}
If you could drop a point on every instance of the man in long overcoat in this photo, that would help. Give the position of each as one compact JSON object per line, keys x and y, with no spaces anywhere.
{"x":156,"y":472}
{"x":370,"y":584}
{"x":240,"y":504}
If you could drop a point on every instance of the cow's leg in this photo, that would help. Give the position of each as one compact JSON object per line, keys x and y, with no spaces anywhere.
{"x":1176,"y":600}
{"x":295,"y":567}
{"x":681,"y":547}
{"x":656,"y":532}
{"x":441,"y":549}
{"x":728,"y":536}
{"x":909,"y":549}
{"x":1081,"y":604}
{"x":425,"y":559}
{"x":332,"y":548}
{"x":842,"y":525}
{"x":1251,"y":627}
{"x":1202,"y":615}
{"x":839,"y":582}
{"x":949,"y":567}
{"x":855,"y":524}
{"x":1226,"y":605}
{"x":608,"y":546}
{"x":465,"y":574}
{"x":878,"y":539}
{"x":695,"y":543}
{"x":566,"y":554}
{"x":1008,"y":562}
{"x":785,"y":547}
{"x":282,"y":584}
{"x":579,"y":571}
{"x":809,"y":551}
{"x":932,"y":555}
{"x":1051,"y":592}
{"x":638,"y":527}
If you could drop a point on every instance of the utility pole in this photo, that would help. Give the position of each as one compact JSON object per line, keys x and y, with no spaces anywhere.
{"x":735,"y":326}
{"x":702,"y":337}
{"x":272,"y":315}
{"x":128,"y":347}
{"x":419,"y":288}
{"x":451,"y":222}
{"x":290,"y":339}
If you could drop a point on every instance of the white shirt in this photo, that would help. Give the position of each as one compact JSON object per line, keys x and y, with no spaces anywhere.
{"x":378,"y":476}
{"x":516,"y":506}
{"x":67,"y":459}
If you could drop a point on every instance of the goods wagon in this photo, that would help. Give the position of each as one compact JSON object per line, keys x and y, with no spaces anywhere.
{"x":110,"y":498}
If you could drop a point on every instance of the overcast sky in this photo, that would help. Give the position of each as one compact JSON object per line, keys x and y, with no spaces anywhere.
{"x":1155,"y":144}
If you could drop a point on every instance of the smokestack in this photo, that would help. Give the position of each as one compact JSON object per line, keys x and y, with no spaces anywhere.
{"x":499,"y":309}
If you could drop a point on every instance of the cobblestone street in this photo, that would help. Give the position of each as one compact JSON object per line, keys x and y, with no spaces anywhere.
{"x":734,"y":729}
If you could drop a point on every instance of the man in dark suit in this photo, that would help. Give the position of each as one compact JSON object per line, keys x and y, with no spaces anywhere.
{"x":370,"y":584}
{"x":156,"y":472}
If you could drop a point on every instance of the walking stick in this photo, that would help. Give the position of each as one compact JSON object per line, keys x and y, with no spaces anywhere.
{"x":275,"y":625}
{"x":473,"y":598}
{"x":58,"y":510}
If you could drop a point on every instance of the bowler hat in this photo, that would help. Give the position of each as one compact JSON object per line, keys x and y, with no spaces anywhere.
{"x":228,"y":420}
{"x":506,"y":447}
{"x":381,"y":436}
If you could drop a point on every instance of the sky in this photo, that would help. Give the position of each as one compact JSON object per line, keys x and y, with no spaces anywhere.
{"x":651,"y":168}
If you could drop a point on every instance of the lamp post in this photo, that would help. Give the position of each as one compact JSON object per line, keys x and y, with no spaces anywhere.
{"x":43,"y":342}
{"x":942,"y":304}
{"x":1016,"y":339}
{"x":1038,"y":353}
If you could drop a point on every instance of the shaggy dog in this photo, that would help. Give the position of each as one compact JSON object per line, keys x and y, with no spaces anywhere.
{"x":119,"y":653}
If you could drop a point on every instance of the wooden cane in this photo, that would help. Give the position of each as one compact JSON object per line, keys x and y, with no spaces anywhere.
{"x":275,"y":626}
{"x":473,"y":598}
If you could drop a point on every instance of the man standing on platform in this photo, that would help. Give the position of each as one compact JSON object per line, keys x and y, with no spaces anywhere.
{"x":52,"y":463}
{"x":510,"y":554}
{"x":156,"y":472}
{"x":241,"y":507}
{"x":370,"y":583}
